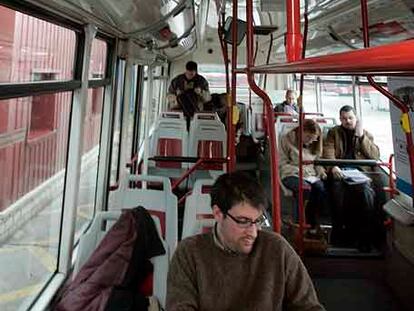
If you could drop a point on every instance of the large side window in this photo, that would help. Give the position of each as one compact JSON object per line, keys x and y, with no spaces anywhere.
{"x":375,"y":112}
{"x":42,"y":116}
{"x":31,"y":198}
{"x":34,"y":135}
{"x":216,"y":76}
{"x":335,"y":92}
{"x":33,"y":49}
{"x":91,"y":136}
{"x":116,"y":137}
{"x":371,"y":106}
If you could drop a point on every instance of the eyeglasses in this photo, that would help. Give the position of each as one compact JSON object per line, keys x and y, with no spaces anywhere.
{"x":247,"y":223}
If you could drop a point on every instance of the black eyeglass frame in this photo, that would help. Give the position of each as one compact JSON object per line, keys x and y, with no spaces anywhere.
{"x":259,"y":222}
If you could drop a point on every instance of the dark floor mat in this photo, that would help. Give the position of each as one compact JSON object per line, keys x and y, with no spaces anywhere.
{"x":355,"y":295}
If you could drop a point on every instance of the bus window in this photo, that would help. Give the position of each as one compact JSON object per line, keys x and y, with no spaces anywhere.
{"x":98,"y":59}
{"x":376,"y":118}
{"x":335,"y":93}
{"x":216,"y":77}
{"x":31,"y":192}
{"x":116,"y":137}
{"x":29,"y":49}
{"x":155,"y":97}
{"x":90,"y":155}
{"x":309,"y":93}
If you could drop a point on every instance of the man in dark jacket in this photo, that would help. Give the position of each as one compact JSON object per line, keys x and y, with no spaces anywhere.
{"x":289,"y":104}
{"x":190,"y":83}
{"x":359,"y":220}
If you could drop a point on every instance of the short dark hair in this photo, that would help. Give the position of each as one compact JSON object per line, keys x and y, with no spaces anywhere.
{"x":191,"y":66}
{"x":347,"y":108}
{"x":237,"y":187}
{"x":289,"y":91}
{"x":312,"y":127}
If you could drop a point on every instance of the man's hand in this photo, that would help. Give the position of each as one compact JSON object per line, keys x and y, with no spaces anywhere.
{"x":337,"y":172}
{"x":322,"y":175}
{"x":197,"y":90}
{"x":359,"y":131}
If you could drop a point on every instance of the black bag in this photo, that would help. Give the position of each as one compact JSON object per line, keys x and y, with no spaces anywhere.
{"x":247,"y":149}
{"x":362,"y":218}
{"x":188,"y":103}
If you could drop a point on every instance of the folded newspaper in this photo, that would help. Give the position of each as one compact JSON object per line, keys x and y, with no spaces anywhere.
{"x":354,"y":177}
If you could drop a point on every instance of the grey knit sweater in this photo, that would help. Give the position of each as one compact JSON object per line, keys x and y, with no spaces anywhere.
{"x":204,"y":276}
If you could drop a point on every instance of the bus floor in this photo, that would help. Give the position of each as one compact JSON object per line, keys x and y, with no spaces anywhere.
{"x":344,"y":284}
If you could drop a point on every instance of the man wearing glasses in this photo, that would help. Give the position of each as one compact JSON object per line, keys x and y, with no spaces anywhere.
{"x":238,"y":266}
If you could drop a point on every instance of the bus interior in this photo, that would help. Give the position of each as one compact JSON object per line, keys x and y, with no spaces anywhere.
{"x":86,"y":130}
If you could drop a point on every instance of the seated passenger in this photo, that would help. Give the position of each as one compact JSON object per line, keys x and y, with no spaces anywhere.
{"x":357,"y":215}
{"x":237,"y":266}
{"x":289,"y":105}
{"x":190,"y":82}
{"x":218,"y":104}
{"x":314,"y":192}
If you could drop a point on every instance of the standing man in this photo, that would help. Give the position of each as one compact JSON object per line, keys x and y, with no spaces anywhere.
{"x":237,"y":266}
{"x":360,"y":221}
{"x":188,"y":91}
{"x":289,"y":105}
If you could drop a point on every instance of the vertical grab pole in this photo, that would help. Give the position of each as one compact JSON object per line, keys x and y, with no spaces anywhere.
{"x":224,"y":51}
{"x":302,"y":220}
{"x":300,"y":148}
{"x":293,"y":38}
{"x":405,"y":117}
{"x":274,"y":169}
{"x":231,"y":148}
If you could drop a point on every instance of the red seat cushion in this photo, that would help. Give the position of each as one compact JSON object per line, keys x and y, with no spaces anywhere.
{"x":169,"y":147}
{"x":210,"y":149}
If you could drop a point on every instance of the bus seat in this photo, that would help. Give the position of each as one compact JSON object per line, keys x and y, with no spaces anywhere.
{"x":161,"y":203}
{"x":90,"y":240}
{"x":198,"y":216}
{"x":169,"y":138}
{"x":325,"y":127}
{"x":257,"y":126}
{"x":207,"y":139}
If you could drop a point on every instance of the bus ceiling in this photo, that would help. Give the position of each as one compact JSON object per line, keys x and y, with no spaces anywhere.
{"x":168,"y":27}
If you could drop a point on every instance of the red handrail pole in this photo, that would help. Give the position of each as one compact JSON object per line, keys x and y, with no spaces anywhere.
{"x":231,"y":148}
{"x":274,"y":169}
{"x":406,"y":122}
{"x":186,"y":174}
{"x":380,"y":60}
{"x":293,"y":39}
{"x":194,"y":167}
